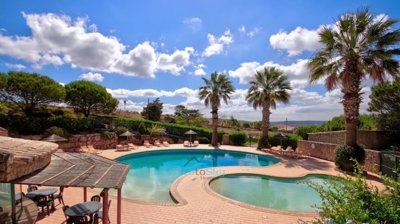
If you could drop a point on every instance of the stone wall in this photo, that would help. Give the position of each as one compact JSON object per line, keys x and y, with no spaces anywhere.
{"x":76,"y":141}
{"x":326,"y":151}
{"x":368,"y":139}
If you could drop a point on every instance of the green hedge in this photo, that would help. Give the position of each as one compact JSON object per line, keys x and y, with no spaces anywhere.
{"x":238,"y":138}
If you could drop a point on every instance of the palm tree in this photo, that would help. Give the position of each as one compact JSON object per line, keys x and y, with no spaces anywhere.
{"x":359,"y":45}
{"x":216,"y":88}
{"x":270,"y":86}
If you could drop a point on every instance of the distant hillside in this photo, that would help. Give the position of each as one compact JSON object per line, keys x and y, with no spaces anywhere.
{"x":297,"y":123}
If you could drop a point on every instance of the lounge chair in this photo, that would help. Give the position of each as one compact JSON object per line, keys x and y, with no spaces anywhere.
{"x":121,"y":148}
{"x":93,"y":150}
{"x":196,"y":143}
{"x":157,"y":143}
{"x":165,"y":143}
{"x":84,"y":149}
{"x":186,"y":144}
{"x":131,"y":146}
{"x":147,"y":144}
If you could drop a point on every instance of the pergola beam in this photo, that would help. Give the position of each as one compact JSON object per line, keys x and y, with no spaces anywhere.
{"x":119,"y":206}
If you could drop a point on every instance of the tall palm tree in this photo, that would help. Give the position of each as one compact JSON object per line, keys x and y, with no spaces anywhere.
{"x":359,"y":45}
{"x":217,"y":88}
{"x":270,"y":86}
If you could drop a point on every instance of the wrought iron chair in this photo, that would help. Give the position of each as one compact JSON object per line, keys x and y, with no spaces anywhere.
{"x":32,"y":188}
{"x":42,"y":202}
{"x":95,"y":198}
{"x":99,"y":215}
{"x":60,"y":196}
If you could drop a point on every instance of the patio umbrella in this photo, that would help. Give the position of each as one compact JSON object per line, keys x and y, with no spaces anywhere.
{"x":190,"y":133}
{"x":55,"y":138}
{"x":127,"y":134}
{"x":281,"y":136}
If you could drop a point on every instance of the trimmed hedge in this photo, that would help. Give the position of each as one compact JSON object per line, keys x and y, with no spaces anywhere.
{"x":238,"y":138}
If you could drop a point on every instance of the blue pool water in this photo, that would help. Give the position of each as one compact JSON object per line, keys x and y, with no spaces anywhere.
{"x":152,"y":173}
{"x":292,"y":194}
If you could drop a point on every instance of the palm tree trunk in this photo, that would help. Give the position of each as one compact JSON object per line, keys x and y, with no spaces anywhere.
{"x":265,"y":123}
{"x":351,"y":100}
{"x":214,"y":114}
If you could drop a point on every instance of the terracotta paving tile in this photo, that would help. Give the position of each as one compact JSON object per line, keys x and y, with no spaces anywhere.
{"x":200,"y":204}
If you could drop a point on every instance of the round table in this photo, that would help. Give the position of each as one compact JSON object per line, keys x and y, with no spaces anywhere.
{"x":82,"y":209}
{"x":41,"y":192}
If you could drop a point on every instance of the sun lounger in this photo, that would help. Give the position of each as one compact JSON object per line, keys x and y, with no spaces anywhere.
{"x":93,"y":150}
{"x":132,"y":146}
{"x":165,"y":143}
{"x":186,"y":144}
{"x":121,"y":148}
{"x":84,"y":149}
{"x":147,"y":144}
{"x":157,"y":143}
{"x":196,"y":143}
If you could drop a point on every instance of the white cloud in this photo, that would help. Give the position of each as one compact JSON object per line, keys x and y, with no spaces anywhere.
{"x":175,"y":62}
{"x":125,"y":93}
{"x":242,"y":29}
{"x":216,"y":45}
{"x":57,"y":39}
{"x":297,"y":71}
{"x":253,"y":32}
{"x":200,"y":70}
{"x":93,"y":77}
{"x":194,"y":23}
{"x":297,"y":41}
{"x":17,"y":67}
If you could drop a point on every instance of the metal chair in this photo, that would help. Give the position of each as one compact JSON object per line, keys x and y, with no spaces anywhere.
{"x":60,"y":196}
{"x":32,"y":188}
{"x":95,"y":198}
{"x":41,"y":201}
{"x":99,"y":215}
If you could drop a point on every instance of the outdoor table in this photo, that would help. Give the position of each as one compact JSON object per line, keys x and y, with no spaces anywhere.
{"x":48,"y":192}
{"x":83,"y":209}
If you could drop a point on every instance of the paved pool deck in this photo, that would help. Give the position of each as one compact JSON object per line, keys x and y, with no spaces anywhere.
{"x":198,"y":203}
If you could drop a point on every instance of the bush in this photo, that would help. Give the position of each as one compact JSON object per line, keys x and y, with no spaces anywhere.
{"x":142,"y":129}
{"x":157,"y":131}
{"x":57,"y":131}
{"x":289,"y":140}
{"x":355,"y":199}
{"x":204,"y":140}
{"x":120,"y":129}
{"x":346,"y":156}
{"x":107,"y":135}
{"x":238,"y":138}
{"x":303,"y":131}
{"x":263,"y":143}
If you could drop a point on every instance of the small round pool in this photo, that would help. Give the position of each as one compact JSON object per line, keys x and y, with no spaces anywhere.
{"x":153,"y":172}
{"x":293,"y":194}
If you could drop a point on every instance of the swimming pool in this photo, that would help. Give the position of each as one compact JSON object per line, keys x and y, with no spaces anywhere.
{"x":293,"y":194}
{"x":153,"y":172}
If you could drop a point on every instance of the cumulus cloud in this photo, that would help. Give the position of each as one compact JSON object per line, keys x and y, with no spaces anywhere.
{"x":58,"y":39}
{"x":93,"y":77}
{"x":17,"y":67}
{"x":297,"y":72}
{"x":200,"y":70}
{"x":296,"y":41}
{"x":193,"y":23}
{"x":217,"y":44}
{"x":125,"y":93}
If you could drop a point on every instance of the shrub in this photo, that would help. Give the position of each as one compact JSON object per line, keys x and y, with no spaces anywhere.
{"x":57,"y":131}
{"x":204,"y":140}
{"x":263,"y":143}
{"x":303,"y":131}
{"x":355,"y":199}
{"x":142,"y":129}
{"x":120,"y":129}
{"x":107,"y":135}
{"x":157,"y":131}
{"x":289,"y":140}
{"x":346,"y":156}
{"x":238,"y":138}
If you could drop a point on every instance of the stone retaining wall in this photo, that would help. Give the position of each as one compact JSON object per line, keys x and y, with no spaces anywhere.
{"x":326,"y":151}
{"x":368,"y":139}
{"x":76,"y":141}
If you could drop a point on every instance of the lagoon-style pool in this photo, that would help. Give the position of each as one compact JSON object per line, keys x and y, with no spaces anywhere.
{"x":153,"y":172}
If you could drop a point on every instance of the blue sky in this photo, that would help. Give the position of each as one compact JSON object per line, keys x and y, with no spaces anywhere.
{"x":147,"y":49}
